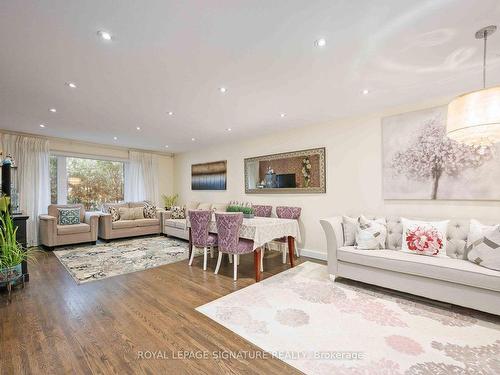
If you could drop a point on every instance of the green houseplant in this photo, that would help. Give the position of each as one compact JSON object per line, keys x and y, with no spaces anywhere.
{"x":169,"y":200}
{"x":12,"y":253}
{"x":247,"y":211}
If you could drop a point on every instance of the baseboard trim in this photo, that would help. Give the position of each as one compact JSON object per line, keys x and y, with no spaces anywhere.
{"x":315,"y":254}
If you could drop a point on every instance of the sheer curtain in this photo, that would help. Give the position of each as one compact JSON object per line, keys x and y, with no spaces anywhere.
{"x":141,"y":177}
{"x":32,"y":158}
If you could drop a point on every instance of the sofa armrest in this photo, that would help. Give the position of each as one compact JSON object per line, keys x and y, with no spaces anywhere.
{"x":105,"y":225}
{"x":48,"y":230}
{"x":92,"y":219}
{"x":159,"y":213}
{"x":334,"y":239}
{"x":167,"y":214}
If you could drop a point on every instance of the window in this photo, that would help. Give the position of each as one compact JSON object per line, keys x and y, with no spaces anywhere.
{"x":91,"y":182}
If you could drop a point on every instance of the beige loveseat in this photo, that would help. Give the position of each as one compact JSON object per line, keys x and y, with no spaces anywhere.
{"x":452,"y":279}
{"x":52,"y":234}
{"x":109,"y":230}
{"x":178,"y":227}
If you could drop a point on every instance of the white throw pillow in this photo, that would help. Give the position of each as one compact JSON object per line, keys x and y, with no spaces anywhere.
{"x":424,"y":237}
{"x":371,"y":234}
{"x":350,"y":227}
{"x":476,"y":233}
{"x":483,"y":245}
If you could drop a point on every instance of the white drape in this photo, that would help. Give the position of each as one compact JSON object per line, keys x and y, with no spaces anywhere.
{"x":32,"y":158}
{"x":141,"y":177}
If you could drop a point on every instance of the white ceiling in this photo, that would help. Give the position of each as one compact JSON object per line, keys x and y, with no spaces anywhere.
{"x":174,"y":55}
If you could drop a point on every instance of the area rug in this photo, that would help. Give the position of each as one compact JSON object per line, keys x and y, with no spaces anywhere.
{"x":118,"y":257}
{"x":321,"y":327}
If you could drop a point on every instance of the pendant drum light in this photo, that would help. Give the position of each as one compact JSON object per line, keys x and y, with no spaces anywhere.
{"x":474,"y":118}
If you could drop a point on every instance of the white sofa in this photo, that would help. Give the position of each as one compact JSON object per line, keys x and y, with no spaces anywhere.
{"x":178,"y":227}
{"x":454,"y":279}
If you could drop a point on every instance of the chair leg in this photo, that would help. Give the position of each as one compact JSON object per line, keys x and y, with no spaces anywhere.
{"x":235,"y":268}
{"x":219,"y":259}
{"x":212,"y":251}
{"x":296,"y":249}
{"x":283,"y":251}
{"x":230,"y":258}
{"x":192,"y":256}
{"x":237,"y":258}
{"x":205,"y":258}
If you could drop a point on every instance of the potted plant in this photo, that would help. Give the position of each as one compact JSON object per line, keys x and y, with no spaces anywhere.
{"x":169,"y":200}
{"x":12,"y":253}
{"x":247,"y":211}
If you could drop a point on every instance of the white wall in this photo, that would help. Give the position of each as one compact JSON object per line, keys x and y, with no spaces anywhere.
{"x":354,"y":176}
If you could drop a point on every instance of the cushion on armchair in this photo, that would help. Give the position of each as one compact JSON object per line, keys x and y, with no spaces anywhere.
{"x":68,"y":216}
{"x":178,"y":212}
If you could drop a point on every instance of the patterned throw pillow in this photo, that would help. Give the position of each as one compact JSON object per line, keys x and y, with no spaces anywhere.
{"x":371,"y":234}
{"x":115,"y":215}
{"x":424,"y":237}
{"x":178,"y":212}
{"x":68,"y":216}
{"x":149,"y":210}
{"x":485,"y":249}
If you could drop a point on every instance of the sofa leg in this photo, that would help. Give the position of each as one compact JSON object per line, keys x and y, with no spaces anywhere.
{"x":93,"y":242}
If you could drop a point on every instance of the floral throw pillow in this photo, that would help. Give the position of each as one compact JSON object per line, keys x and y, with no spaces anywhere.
{"x":371,"y":234}
{"x":115,"y":214}
{"x":178,"y":212}
{"x":149,"y":210}
{"x":424,"y":237}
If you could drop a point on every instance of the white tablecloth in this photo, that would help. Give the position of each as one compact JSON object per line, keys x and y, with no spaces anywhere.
{"x":262,"y":230}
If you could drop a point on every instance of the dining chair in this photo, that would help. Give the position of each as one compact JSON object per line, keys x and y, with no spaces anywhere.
{"x":200,"y":237}
{"x":229,"y":241}
{"x":286,"y":212}
{"x":262,"y":211}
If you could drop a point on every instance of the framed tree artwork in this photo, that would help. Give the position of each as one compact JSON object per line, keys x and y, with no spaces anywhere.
{"x":421,"y":162}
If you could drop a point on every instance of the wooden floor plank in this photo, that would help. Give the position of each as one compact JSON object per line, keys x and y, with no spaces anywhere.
{"x":56,"y":326}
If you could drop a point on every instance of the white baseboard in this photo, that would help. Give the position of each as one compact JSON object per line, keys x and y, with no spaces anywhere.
{"x":315,"y":254}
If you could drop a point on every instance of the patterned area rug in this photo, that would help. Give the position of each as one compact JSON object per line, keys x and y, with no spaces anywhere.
{"x":320,"y":327}
{"x":118,"y":257}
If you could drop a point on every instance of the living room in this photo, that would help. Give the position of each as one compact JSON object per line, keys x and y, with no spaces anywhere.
{"x":344,"y":156}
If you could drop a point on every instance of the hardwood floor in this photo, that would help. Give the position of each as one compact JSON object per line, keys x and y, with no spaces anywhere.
{"x":115,"y":325}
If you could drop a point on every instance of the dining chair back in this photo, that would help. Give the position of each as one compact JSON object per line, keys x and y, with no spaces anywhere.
{"x":262,"y":210}
{"x":200,"y":237}
{"x":285,"y":212}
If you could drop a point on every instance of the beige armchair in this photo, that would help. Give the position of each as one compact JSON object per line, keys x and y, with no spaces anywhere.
{"x":52,"y":234}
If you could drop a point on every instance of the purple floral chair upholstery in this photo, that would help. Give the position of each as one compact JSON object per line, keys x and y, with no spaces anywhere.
{"x":262,"y":211}
{"x":200,"y":238}
{"x":229,"y":241}
{"x":285,"y":212}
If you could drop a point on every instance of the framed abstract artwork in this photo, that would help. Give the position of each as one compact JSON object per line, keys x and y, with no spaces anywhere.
{"x":209,"y":176}
{"x":421,"y":162}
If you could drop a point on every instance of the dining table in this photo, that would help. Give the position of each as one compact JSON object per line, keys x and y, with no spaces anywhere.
{"x":261,"y":230}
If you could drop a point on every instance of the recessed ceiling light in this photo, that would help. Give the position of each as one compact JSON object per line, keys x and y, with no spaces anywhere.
{"x":321,"y":42}
{"x":138,"y":128}
{"x":42,"y":125}
{"x":170,"y":113}
{"x":365,"y":92}
{"x":115,"y":138}
{"x":282,"y":115}
{"x":104,"y":35}
{"x":229,"y":129}
{"x":222,"y":89}
{"x":71,"y":84}
{"x":193,"y":139}
{"x":53,"y":110}
{"x":166,"y":146}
